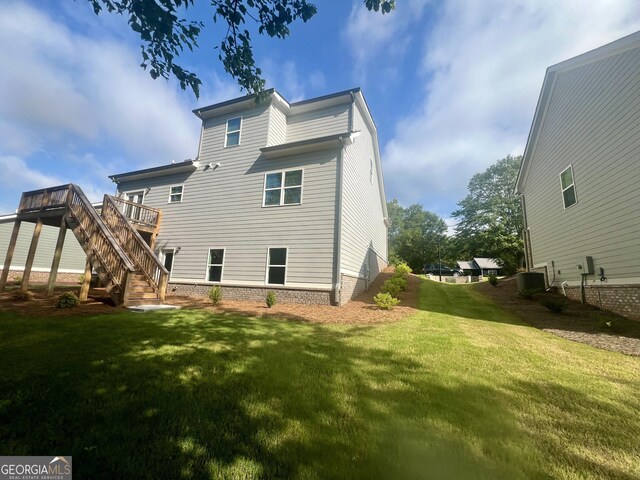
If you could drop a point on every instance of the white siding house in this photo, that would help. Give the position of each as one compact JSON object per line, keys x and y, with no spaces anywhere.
{"x":282,"y":196}
{"x":580,"y":174}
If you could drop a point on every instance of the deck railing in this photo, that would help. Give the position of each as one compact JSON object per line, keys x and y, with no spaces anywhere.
{"x":54,"y":197}
{"x":137,"y":249}
{"x":137,"y":213}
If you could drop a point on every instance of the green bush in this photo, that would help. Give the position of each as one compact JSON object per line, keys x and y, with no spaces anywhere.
{"x":20,"y":295}
{"x":391,"y":287}
{"x":555,"y":304}
{"x":18,"y":279}
{"x":385,"y":301}
{"x":67,"y":300}
{"x":528,"y":293}
{"x":271,"y":299}
{"x":215,"y":295}
{"x":402,"y":269}
{"x":493,"y":280}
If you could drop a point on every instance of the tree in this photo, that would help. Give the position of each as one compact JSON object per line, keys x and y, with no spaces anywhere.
{"x":165,"y":33}
{"x":490,"y":219}
{"x":414,"y":235}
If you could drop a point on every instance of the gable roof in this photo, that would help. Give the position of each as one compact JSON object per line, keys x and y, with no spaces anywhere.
{"x":466,"y":265}
{"x":626,"y":43}
{"x":487,"y":263}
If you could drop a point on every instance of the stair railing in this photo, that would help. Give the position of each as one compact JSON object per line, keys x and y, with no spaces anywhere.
{"x":135,"y":247}
{"x":101,"y":242}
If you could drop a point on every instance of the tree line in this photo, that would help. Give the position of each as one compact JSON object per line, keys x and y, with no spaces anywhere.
{"x":489,"y":224}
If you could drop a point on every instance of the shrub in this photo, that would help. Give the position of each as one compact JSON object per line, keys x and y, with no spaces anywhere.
{"x":400,"y":282}
{"x":81,"y":279}
{"x":18,"y":278}
{"x":556,"y":305}
{"x":391,"y":287}
{"x":385,"y":301}
{"x":215,"y":295}
{"x":493,"y":280}
{"x":271,"y":299}
{"x":67,"y":300}
{"x":528,"y":293}
{"x":20,"y":295}
{"x":402,"y":269}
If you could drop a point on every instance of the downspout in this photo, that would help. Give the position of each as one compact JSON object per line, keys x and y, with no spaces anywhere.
{"x":337,"y":286}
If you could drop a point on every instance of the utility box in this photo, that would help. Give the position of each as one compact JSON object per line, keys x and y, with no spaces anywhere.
{"x":587,"y":266}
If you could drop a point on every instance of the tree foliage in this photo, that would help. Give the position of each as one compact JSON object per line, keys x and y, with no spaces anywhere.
{"x":490,"y":219}
{"x":414,"y":235}
{"x":165,"y":33}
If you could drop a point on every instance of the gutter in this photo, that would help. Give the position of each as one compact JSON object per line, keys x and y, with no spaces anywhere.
{"x":337,"y":286}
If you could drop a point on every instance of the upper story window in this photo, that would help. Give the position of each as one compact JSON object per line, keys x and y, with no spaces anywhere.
{"x":234,"y":125}
{"x":568,"y":187}
{"x":282,"y":188}
{"x":175,"y":193}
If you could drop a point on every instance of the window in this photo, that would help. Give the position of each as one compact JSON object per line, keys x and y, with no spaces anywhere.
{"x":283,"y":188}
{"x":276,"y":266}
{"x":568,"y":188}
{"x":214,"y":264}
{"x":175,"y":194}
{"x":233,"y":132}
{"x":370,"y":171}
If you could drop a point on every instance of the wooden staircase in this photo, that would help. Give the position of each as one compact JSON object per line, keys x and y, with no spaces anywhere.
{"x":125,"y":264}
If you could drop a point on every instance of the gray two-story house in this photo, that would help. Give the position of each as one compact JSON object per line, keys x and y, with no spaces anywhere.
{"x":579,"y":178}
{"x":282,"y":196}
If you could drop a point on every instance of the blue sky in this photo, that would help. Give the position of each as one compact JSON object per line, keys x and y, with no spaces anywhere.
{"x":452,"y":86}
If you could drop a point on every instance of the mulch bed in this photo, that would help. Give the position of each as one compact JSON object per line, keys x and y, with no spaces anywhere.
{"x":579,"y":322}
{"x":360,"y":311}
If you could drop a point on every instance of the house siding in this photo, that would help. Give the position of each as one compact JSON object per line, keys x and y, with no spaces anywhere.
{"x":364,"y":234}
{"x":277,"y":126}
{"x":222,"y":208}
{"x":593,"y":123}
{"x":318,"y":123}
{"x":72,"y":259}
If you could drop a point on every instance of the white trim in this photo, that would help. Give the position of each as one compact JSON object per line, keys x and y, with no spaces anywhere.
{"x":44,"y":269}
{"x":206,"y":273}
{"x":286,"y":266}
{"x":181,"y":192}
{"x":162,"y":258}
{"x":540,"y":265}
{"x":245,"y":283}
{"x":282,"y":187}
{"x":573,"y":184}
{"x":351,"y":273}
{"x":227,"y":132}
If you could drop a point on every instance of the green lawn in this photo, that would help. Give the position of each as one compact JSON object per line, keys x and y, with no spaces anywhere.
{"x":460,"y":390}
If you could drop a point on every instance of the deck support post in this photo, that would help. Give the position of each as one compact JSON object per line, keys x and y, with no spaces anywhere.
{"x":31,"y":256}
{"x":86,"y":282}
{"x":56,"y":256}
{"x":9,"y":257}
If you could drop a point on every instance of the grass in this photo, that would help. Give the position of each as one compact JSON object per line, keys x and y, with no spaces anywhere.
{"x":460,"y":390}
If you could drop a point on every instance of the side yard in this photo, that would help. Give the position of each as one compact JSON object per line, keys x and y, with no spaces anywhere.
{"x":458,"y":389}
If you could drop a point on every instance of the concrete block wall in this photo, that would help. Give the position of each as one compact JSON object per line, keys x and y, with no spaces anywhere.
{"x":253,"y":294}
{"x":351,"y":287}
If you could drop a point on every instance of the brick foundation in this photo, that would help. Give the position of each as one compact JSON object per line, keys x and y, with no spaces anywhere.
{"x":43,"y":277}
{"x":621,"y":299}
{"x":351,"y":287}
{"x":254,"y":294}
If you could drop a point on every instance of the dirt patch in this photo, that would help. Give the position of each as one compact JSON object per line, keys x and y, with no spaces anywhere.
{"x":579,"y":322}
{"x":361,"y":311}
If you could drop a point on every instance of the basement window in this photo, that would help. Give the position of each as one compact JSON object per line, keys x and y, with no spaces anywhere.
{"x":276,"y":266}
{"x":568,"y":187}
{"x":214,"y":264}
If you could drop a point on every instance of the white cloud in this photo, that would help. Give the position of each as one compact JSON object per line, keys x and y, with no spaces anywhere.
{"x":482,"y":70}
{"x":59,"y":86}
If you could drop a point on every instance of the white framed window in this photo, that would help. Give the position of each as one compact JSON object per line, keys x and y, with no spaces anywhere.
{"x":175,"y":193}
{"x":166,"y":256}
{"x":568,"y":187}
{"x":277,"y":265}
{"x":131,"y":211}
{"x":282,"y":188}
{"x":215,"y":264}
{"x":232,"y":136}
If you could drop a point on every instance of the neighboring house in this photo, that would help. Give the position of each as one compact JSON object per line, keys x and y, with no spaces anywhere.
{"x":579,"y":178}
{"x":283,"y":196}
{"x":481,"y":266}
{"x":71,"y":263}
